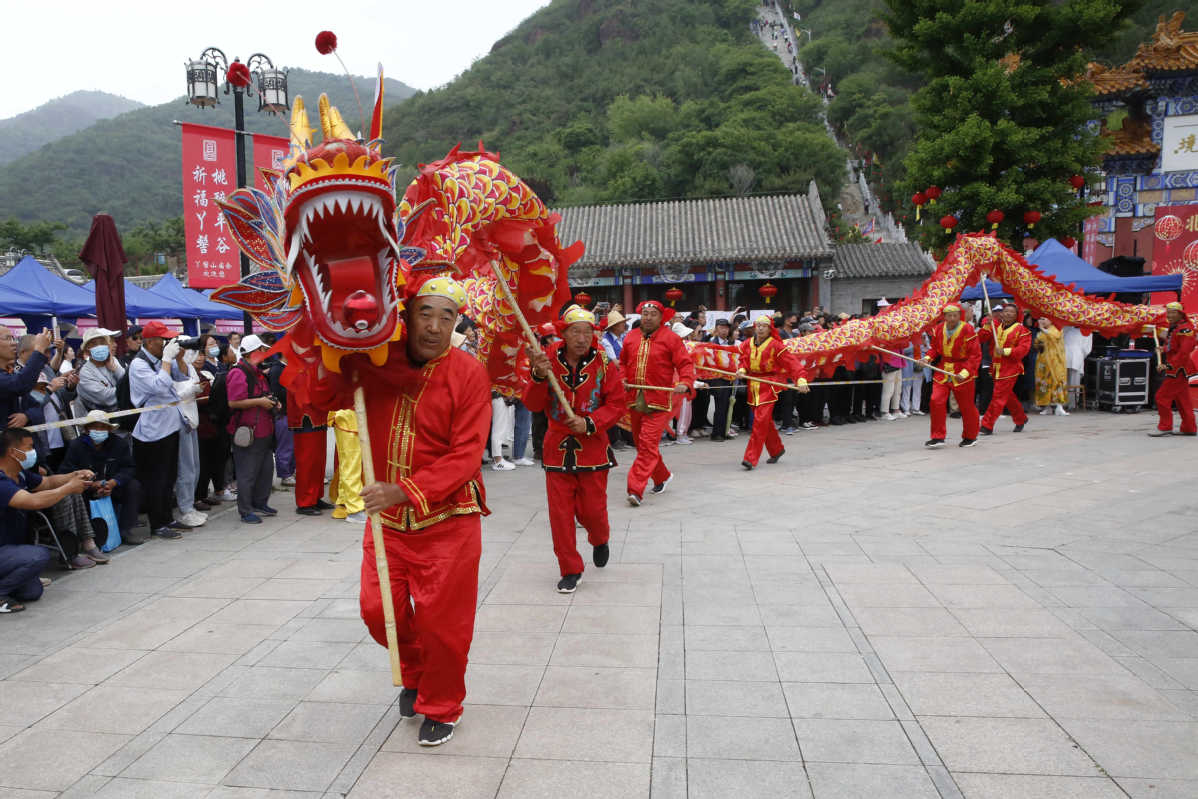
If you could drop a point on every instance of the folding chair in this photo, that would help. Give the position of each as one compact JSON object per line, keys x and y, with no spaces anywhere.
{"x":41,"y":528}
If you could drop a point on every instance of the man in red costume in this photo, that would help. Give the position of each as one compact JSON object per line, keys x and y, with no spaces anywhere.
{"x":428,"y":414}
{"x":576,"y":452}
{"x":954,"y":349}
{"x":765,"y":356}
{"x":1009,"y":344}
{"x":1175,"y":368}
{"x":308,"y":432}
{"x":652,"y":356}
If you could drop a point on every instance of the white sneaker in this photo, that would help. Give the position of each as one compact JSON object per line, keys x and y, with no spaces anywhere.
{"x":1046,"y":411}
{"x":288,"y":481}
{"x":685,"y":440}
{"x":917,"y":412}
{"x":903,"y":414}
{"x":1061,"y":411}
{"x":192,"y":518}
{"x":357,"y":518}
{"x":526,"y":462}
{"x":227,"y":496}
{"x":890,"y":417}
{"x":502,"y":465}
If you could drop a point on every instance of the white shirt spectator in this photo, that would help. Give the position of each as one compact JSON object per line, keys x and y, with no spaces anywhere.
{"x":148,"y":385}
{"x":1077,"y":347}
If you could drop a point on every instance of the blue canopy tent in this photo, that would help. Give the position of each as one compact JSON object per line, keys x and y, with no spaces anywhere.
{"x":140,"y":303}
{"x":1065,"y":267}
{"x":201,"y":307}
{"x":53,"y":295}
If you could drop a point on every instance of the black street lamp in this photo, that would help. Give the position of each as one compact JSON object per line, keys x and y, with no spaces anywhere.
{"x":202,"y":91}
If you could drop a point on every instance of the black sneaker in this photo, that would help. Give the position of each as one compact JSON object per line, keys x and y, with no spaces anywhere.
{"x":934,"y":443}
{"x":167,"y":532}
{"x":748,"y":466}
{"x":601,"y":554}
{"x":659,"y":487}
{"x":986,"y":431}
{"x":178,"y":525}
{"x":568,"y":584}
{"x":435,"y":733}
{"x":10,"y":605}
{"x":968,"y":442}
{"x":407,"y":703}
{"x":308,"y":510}
{"x":1018,"y":428}
{"x":322,"y":505}
{"x":774,"y":459}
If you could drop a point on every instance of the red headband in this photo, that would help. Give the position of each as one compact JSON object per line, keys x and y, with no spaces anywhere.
{"x":666,"y":313}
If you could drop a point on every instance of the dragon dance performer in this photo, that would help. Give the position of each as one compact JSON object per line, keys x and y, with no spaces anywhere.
{"x":1175,"y":367}
{"x":576,"y":452}
{"x":1010,"y":344}
{"x":310,"y":455}
{"x":651,"y":356}
{"x":765,"y":356}
{"x":429,"y":415}
{"x":954,"y":348}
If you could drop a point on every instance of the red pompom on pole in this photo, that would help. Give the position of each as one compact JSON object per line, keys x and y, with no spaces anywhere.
{"x":1030,"y":218}
{"x":1077,"y":181}
{"x":326,"y":42}
{"x":948,"y":222}
{"x":674,"y":295}
{"x":767,"y":292}
{"x":238,"y":75}
{"x":995,"y":217}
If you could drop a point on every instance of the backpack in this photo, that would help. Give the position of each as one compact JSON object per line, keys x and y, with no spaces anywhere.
{"x":218,"y":402}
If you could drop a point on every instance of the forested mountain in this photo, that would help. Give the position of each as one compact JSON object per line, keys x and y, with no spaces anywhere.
{"x":619,"y":100}
{"x":60,"y":117}
{"x":130,"y":166}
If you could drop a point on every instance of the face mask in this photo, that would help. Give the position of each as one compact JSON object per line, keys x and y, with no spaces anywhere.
{"x":100,"y":353}
{"x":98,"y":436}
{"x":38,"y":397}
{"x":28,"y":459}
{"x":213,"y":352}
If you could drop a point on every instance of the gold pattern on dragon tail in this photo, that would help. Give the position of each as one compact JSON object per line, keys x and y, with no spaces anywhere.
{"x":477,"y":220}
{"x":971,"y":256}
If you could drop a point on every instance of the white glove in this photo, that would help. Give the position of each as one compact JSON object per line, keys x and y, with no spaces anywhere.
{"x":170,"y":351}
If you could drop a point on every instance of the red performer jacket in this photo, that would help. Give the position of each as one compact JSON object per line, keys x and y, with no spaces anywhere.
{"x":652,"y":361}
{"x":1179,"y":351}
{"x":772,"y":361}
{"x":954,"y":352}
{"x":595,"y":392}
{"x":428,"y":427}
{"x":1008,"y":353}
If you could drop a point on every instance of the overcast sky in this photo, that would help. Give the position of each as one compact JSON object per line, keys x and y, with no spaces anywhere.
{"x":136,"y":48}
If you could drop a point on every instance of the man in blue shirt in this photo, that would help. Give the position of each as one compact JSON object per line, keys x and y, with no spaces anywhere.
{"x":24,"y":490}
{"x":16,"y":384}
{"x":156,"y":437}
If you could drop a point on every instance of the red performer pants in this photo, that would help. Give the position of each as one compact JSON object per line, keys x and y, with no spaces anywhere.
{"x":646,"y":432}
{"x":939,"y":409}
{"x":582,"y":495}
{"x":310,"y":456}
{"x":764,"y":434}
{"x":1004,"y":397}
{"x":1175,"y":390}
{"x":437,"y":569}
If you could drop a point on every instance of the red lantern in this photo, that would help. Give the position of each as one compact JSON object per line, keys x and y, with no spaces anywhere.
{"x":918,"y":199}
{"x":933,"y":193}
{"x":994,"y":218}
{"x":1068,"y":242}
{"x":1077,"y":181}
{"x":767,"y":292}
{"x":1030,"y":218}
{"x":948,"y":223}
{"x":583,"y":299}
{"x":674,"y":294}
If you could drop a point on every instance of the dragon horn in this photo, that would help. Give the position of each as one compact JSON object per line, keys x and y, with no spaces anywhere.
{"x":331,"y":123}
{"x":376,"y":117}
{"x":301,"y":130}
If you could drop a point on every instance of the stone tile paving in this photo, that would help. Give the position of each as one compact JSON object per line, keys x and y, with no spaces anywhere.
{"x":864,"y":619}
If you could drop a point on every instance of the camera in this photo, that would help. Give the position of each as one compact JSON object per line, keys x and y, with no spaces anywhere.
{"x":190,"y":342}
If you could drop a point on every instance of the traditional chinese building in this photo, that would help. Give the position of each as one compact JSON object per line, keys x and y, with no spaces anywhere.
{"x":863,"y":274}
{"x":1152,"y":162}
{"x":716,"y":252}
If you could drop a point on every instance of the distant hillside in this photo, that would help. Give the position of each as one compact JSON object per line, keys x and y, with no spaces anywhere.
{"x":618,"y":100}
{"x":130,"y":166}
{"x":60,"y":117}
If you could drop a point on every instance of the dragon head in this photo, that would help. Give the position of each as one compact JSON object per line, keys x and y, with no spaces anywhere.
{"x":342,"y":247}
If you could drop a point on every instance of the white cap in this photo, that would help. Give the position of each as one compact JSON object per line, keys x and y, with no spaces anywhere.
{"x":681,"y":329}
{"x":883,"y":303}
{"x":98,"y":332}
{"x":97,"y":417}
{"x":250,"y":343}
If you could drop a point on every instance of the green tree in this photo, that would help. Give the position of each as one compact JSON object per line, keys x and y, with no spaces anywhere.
{"x":1001,"y":119}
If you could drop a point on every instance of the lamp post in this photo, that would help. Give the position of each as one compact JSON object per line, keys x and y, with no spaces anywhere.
{"x":808,"y":32}
{"x":202,"y":91}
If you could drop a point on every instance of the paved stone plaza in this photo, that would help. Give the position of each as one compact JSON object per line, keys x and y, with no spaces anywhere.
{"x":864,"y":619}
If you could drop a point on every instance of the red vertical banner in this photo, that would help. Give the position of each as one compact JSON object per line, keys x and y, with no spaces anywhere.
{"x":1175,"y":251}
{"x":209,"y":174}
{"x":269,"y":153}
{"x":1090,"y":229}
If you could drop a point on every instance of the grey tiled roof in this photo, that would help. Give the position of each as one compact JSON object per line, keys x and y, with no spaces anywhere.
{"x":881,"y":260}
{"x":723,"y":230}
